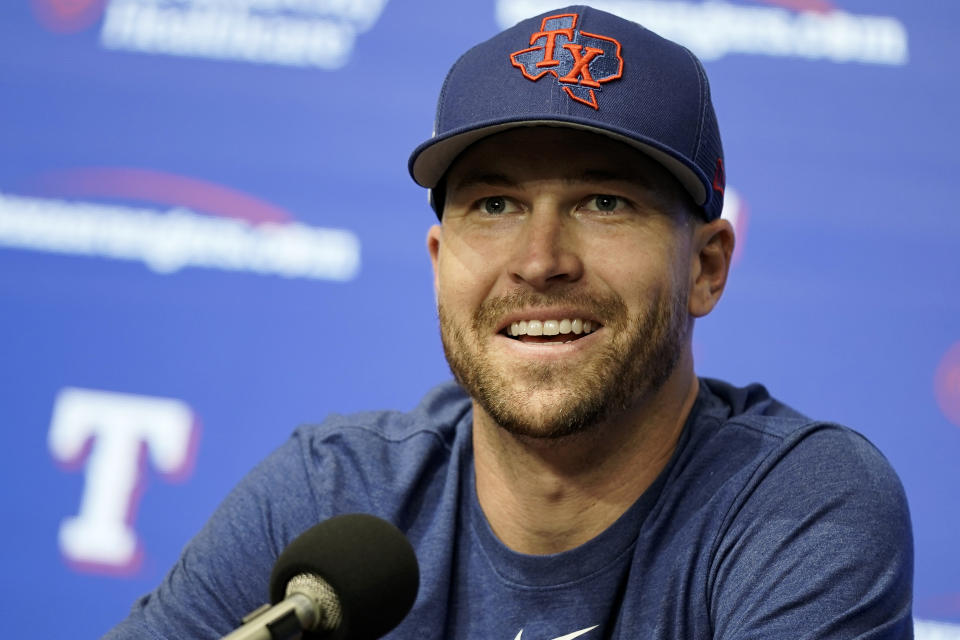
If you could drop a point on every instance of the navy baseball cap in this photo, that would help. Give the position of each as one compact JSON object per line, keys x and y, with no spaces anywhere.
{"x":586,"y":69}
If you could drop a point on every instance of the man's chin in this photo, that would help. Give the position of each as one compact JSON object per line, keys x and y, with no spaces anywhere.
{"x":543,"y":414}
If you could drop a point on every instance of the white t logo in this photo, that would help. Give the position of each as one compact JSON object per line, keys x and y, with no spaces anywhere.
{"x":115,"y":432}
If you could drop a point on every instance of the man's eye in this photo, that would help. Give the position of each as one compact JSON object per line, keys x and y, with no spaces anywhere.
{"x":603,"y":203}
{"x":495,"y":205}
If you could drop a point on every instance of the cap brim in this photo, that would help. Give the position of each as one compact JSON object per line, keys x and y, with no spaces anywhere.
{"x":431,"y":160}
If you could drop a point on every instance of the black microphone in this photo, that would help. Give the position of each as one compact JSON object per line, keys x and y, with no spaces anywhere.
{"x":352,"y":577}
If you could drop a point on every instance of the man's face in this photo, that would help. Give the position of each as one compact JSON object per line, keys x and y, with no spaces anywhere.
{"x":562,"y":270}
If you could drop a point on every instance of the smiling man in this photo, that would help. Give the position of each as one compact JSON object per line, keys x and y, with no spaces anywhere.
{"x":566,"y":296}
{"x":579,"y":479}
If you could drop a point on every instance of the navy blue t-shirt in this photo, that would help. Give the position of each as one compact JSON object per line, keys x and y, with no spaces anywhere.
{"x":764,"y":524}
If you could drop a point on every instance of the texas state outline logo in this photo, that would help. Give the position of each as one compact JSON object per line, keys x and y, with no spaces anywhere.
{"x":579,"y":61}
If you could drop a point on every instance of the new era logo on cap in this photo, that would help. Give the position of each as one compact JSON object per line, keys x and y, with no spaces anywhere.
{"x":579,"y":61}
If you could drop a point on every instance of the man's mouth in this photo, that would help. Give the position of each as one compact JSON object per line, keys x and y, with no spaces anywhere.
{"x":559,"y":331}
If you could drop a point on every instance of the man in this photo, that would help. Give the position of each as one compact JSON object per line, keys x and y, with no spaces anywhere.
{"x":580,"y":481}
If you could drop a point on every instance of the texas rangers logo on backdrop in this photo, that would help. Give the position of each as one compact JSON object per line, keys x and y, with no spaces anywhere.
{"x":579,"y":61}
{"x":111,"y":435}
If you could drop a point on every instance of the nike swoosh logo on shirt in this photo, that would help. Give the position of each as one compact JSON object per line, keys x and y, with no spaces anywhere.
{"x":569,"y":636}
{"x":577,"y":634}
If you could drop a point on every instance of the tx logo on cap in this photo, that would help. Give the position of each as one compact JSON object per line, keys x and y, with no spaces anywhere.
{"x":580,"y":61}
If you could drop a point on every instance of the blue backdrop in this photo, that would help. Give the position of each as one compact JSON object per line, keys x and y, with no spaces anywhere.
{"x":208,"y":236}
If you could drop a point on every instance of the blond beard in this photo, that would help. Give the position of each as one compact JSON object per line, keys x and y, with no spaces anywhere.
{"x":637,"y":362}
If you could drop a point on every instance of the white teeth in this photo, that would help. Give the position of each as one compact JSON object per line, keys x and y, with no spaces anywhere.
{"x":551,"y":327}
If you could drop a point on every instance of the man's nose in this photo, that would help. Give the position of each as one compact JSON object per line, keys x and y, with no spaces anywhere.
{"x":546,"y":251}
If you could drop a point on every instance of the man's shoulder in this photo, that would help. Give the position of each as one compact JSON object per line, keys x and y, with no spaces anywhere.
{"x":803,"y":516}
{"x":753,"y":410}
{"x":378,"y":462}
{"x":726,"y":401}
{"x":752,"y":439}
{"x":435,"y":418}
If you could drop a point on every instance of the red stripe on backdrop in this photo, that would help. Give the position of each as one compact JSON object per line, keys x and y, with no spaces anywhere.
{"x":819,"y":6}
{"x":159,"y":188}
{"x":67,"y":16}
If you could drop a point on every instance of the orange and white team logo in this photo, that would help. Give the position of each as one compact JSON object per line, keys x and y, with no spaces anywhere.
{"x":578,"y":60}
{"x":111,"y":436}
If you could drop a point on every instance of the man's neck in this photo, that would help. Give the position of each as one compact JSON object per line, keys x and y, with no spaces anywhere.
{"x":547,"y":496}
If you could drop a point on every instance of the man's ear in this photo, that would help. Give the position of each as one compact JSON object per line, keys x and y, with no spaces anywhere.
{"x":434,"y":235}
{"x":710,"y":264}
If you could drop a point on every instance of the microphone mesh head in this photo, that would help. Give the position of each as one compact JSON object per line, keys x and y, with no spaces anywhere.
{"x":367,"y":561}
{"x":317,"y":589}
